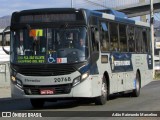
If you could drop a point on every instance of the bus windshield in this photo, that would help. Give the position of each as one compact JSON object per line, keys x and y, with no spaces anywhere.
{"x":49,"y":45}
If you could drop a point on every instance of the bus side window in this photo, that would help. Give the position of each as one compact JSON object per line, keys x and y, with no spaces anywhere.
{"x":144,"y":41}
{"x":123,"y":38}
{"x":138,"y":37}
{"x":131,"y":38}
{"x":114,"y":37}
{"x":94,"y":39}
{"x":104,"y":37}
{"x":149,"y":42}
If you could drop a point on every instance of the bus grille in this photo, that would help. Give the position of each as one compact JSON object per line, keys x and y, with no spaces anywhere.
{"x":58,"y":89}
{"x":46,"y":70}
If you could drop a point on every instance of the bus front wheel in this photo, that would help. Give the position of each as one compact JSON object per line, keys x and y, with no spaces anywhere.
{"x":37,"y":103}
{"x":101,"y":100}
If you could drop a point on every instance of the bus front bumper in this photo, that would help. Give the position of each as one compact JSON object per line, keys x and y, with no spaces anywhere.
{"x":83,"y":89}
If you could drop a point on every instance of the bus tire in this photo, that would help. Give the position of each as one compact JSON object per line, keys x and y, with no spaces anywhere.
{"x":37,"y":103}
{"x":101,"y":100}
{"x":136,"y":91}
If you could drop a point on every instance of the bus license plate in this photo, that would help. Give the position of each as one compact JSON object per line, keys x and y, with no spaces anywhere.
{"x":47,"y":91}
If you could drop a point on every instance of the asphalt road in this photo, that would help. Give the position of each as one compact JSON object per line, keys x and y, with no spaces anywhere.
{"x":149,"y":100}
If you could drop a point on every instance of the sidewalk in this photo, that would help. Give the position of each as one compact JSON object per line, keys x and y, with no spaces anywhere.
{"x":5,"y":91}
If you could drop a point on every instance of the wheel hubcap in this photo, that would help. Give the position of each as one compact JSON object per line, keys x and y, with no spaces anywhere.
{"x":137,"y":85}
{"x":104,"y":90}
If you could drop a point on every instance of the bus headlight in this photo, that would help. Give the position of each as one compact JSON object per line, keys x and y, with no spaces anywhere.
{"x":85,"y":76}
{"x":79,"y":79}
{"x":13,"y":75}
{"x":13,"y":79}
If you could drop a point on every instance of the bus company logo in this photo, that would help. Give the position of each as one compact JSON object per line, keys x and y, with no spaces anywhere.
{"x":122,"y":63}
{"x":27,"y":80}
{"x":6,"y":114}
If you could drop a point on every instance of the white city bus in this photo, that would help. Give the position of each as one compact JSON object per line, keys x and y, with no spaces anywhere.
{"x":77,"y":53}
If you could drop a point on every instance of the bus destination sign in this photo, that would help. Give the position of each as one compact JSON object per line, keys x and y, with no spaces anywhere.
{"x":30,"y":59}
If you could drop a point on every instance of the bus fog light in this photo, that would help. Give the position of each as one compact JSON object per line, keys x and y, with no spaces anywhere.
{"x":19,"y":83}
{"x":76,"y":81}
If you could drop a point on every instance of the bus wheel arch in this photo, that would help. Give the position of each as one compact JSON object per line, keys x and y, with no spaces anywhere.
{"x":108,"y":83}
{"x":138,"y":71}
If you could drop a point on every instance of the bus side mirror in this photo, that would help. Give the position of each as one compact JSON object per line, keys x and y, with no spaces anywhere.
{"x":4,"y":39}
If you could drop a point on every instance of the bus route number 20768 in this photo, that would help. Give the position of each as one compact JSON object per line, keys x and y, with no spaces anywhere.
{"x":62,"y":79}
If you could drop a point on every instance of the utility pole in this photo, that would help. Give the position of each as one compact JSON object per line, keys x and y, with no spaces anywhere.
{"x":142,"y":18}
{"x":71,"y":3}
{"x":152,"y":34}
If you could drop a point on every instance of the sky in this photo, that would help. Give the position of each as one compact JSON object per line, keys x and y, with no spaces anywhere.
{"x":7,"y":7}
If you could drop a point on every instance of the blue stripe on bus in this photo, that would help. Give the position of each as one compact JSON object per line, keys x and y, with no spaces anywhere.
{"x":84,"y":68}
{"x":98,"y":14}
{"x":93,"y":69}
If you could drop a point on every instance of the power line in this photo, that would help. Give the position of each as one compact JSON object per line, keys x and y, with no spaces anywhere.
{"x":93,"y":3}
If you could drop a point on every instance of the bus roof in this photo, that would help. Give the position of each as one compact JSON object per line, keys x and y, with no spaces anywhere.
{"x":118,"y":16}
{"x":107,"y":14}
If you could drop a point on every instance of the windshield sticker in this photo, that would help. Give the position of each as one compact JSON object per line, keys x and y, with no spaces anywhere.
{"x":36,"y":33}
{"x":31,"y":59}
{"x":61,"y":60}
{"x":32,"y":33}
{"x":39,"y":32}
{"x":51,"y":59}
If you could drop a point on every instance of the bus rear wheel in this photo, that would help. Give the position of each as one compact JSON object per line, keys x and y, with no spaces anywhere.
{"x":136,"y":91}
{"x":101,"y":100}
{"x":37,"y":103}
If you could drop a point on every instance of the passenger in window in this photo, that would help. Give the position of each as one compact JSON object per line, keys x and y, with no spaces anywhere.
{"x":115,"y":46}
{"x":104,"y":45}
{"x":82,"y":44}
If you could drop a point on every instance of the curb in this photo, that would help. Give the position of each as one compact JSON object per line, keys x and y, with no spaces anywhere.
{"x":9,"y":99}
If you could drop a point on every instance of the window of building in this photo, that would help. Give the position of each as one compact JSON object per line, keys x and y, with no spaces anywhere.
{"x":0,"y":40}
{"x":7,"y":41}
